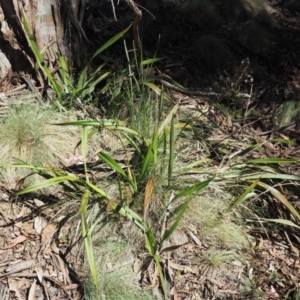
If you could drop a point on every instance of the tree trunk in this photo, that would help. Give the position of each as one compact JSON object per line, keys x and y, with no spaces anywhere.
{"x":56,"y":26}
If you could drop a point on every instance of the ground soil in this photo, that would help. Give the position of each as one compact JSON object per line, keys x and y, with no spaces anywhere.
{"x":36,"y":255}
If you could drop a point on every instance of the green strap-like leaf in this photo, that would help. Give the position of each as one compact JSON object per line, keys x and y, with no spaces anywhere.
{"x":151,"y":243}
{"x":47,"y":183}
{"x":110,"y":42}
{"x":113,"y":164}
{"x":180,"y":214}
{"x":243,"y":196}
{"x":271,"y":160}
{"x":193,"y":189}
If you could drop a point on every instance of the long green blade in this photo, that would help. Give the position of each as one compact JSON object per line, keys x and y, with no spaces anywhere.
{"x":47,"y":183}
{"x":180,"y":214}
{"x":110,"y":42}
{"x":193,"y":189}
{"x":243,"y":196}
{"x":113,"y":164}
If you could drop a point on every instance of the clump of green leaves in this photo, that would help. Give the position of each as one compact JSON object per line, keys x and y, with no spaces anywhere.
{"x":68,"y":86}
{"x":140,"y":183}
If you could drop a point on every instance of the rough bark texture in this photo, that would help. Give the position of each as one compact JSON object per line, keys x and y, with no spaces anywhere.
{"x":55,"y":26}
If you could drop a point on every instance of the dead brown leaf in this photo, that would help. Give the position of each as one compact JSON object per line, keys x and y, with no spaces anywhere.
{"x":48,"y":231}
{"x":148,"y":195}
{"x":15,"y":242}
{"x":109,"y":205}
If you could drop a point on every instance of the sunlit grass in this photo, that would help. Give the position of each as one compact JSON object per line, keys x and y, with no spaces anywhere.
{"x":115,"y":257}
{"x":26,"y":133}
{"x":206,"y":212}
{"x":217,"y":258}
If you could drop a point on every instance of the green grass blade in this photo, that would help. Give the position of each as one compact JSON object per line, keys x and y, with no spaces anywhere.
{"x":278,"y":221}
{"x":157,"y":90}
{"x":108,"y":124}
{"x":113,"y":164}
{"x":132,"y":142}
{"x":84,"y":142}
{"x":110,"y":42}
{"x":180,"y":214}
{"x":151,"y":243}
{"x":152,"y":148}
{"x":167,"y":120}
{"x":82,"y":77}
{"x":193,"y":189}
{"x":269,"y":176}
{"x":90,"y":85}
{"x":171,"y":154}
{"x":40,"y":58}
{"x":150,"y":61}
{"x":97,"y":190}
{"x":64,"y":72}
{"x":48,"y":183}
{"x":102,"y":122}
{"x":161,"y":275}
{"x":271,"y":160}
{"x":173,"y":248}
{"x":246,"y":151}
{"x":243,"y":196}
{"x":88,"y":239}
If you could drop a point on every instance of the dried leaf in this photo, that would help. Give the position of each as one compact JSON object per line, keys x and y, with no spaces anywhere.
{"x":109,"y":205}
{"x":21,"y":213}
{"x":39,"y":224}
{"x":137,"y":265}
{"x":23,"y":282}
{"x":14,"y":288}
{"x":39,"y":272}
{"x":15,"y":242}
{"x":48,"y":231}
{"x":148,"y":194}
{"x":31,"y":295}
{"x":17,"y":228}
{"x":63,"y":270}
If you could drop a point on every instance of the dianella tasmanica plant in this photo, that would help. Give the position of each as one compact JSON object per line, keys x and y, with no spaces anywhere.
{"x":138,"y":176}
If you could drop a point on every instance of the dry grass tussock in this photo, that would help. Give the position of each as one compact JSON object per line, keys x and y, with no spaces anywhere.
{"x":206,"y":211}
{"x":27,"y":133}
{"x":115,"y":256}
